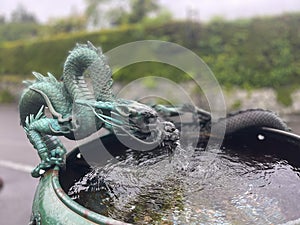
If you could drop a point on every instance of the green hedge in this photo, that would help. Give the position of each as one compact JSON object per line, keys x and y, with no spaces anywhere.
{"x":261,"y":52}
{"x":49,"y":54}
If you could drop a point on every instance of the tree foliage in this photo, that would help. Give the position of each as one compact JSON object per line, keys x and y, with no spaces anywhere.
{"x":17,"y":31}
{"x":21,"y":15}
{"x":68,"y":24}
{"x":261,"y":52}
{"x":117,"y":12}
{"x":140,"y":9}
{"x":94,"y":12}
{"x":22,"y":25}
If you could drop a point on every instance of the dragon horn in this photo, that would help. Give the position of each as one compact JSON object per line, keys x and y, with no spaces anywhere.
{"x":38,"y":76}
{"x":51,"y":77}
{"x":28,"y":82}
{"x":91,"y":46}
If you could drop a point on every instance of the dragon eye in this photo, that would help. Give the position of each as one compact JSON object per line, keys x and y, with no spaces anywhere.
{"x":133,"y":112}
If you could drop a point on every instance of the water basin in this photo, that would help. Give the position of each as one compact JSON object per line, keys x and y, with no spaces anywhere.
{"x":253,"y":178}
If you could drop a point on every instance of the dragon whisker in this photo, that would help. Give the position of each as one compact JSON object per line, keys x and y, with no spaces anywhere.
{"x":104,"y":119}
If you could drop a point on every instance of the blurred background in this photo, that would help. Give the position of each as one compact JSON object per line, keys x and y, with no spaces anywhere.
{"x":251,"y":46}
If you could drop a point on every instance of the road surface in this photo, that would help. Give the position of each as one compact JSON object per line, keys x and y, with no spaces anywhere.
{"x":17,"y":158}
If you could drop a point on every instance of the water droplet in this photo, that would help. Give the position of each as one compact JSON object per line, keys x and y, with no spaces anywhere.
{"x":261,"y":137}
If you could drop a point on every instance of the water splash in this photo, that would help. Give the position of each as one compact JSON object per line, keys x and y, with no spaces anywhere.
{"x":215,"y":186}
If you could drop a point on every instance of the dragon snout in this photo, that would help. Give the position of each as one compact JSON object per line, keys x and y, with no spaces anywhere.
{"x":170,"y":131}
{"x":144,"y":121}
{"x":143,"y":124}
{"x":149,"y":117}
{"x":137,"y":116}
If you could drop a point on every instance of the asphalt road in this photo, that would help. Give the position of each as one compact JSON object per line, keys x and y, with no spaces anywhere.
{"x":17,"y":158}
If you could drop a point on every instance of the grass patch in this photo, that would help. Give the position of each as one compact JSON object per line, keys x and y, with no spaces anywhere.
{"x":284,"y":95}
{"x":236,"y":105}
{"x":6,"y":97}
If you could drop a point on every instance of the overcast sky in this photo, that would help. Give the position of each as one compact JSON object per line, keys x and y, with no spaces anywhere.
{"x":203,"y":9}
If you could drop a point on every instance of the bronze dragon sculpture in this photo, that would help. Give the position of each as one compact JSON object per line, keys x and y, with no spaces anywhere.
{"x":77,"y":110}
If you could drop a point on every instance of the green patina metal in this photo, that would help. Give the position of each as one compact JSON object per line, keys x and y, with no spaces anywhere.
{"x":77,"y":111}
{"x":53,"y":206}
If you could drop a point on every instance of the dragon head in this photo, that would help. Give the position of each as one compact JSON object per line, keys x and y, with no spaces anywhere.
{"x":142,"y":129}
{"x":137,"y":125}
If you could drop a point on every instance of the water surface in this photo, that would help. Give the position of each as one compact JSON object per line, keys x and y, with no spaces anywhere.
{"x":215,"y":186}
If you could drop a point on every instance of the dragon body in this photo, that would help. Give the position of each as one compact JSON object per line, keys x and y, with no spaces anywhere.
{"x":77,"y":110}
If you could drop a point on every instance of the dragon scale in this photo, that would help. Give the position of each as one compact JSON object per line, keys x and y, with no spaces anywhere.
{"x":81,"y":59}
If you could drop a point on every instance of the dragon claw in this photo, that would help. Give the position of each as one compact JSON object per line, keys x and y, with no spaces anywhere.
{"x":36,"y":172}
{"x":40,"y":169}
{"x":56,"y":157}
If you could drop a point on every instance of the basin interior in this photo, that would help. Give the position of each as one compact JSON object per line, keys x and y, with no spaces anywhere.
{"x":274,"y":179}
